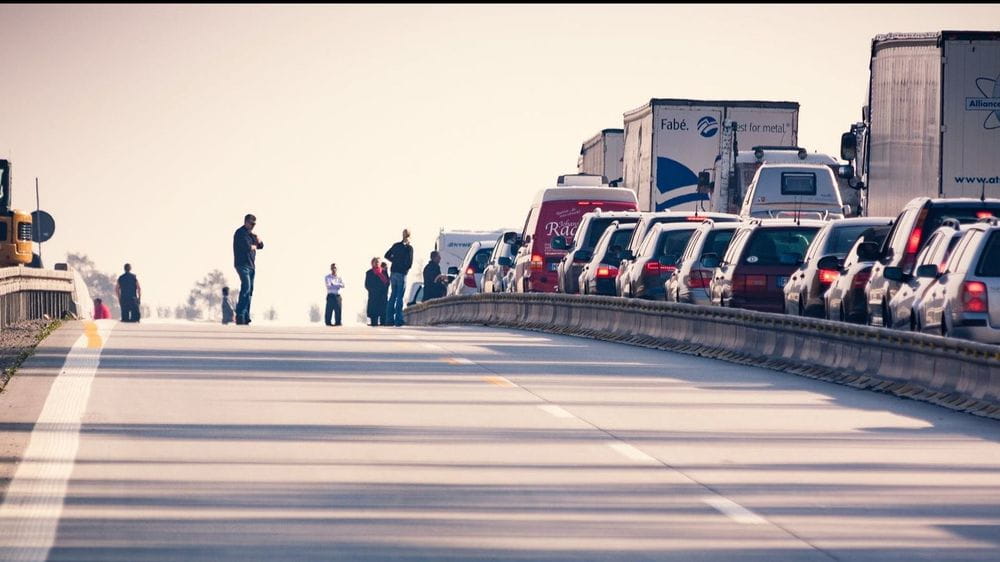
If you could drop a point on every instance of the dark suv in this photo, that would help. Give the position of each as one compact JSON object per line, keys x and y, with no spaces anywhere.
{"x":592,"y":226}
{"x":919,"y":219}
{"x":758,"y":263}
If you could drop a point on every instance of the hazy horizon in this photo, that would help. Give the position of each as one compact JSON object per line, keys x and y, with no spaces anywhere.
{"x":154,"y":128}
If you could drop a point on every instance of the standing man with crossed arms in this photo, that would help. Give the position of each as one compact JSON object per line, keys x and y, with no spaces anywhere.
{"x":400,"y":255}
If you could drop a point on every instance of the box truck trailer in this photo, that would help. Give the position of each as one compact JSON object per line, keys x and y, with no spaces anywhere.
{"x":601,"y":155}
{"x":668,"y":142}
{"x":931,"y":124}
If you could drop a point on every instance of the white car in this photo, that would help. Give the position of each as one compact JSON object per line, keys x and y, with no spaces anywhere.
{"x":469,"y":277}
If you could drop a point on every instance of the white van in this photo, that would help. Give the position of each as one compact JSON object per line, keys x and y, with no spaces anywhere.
{"x":807,"y":191}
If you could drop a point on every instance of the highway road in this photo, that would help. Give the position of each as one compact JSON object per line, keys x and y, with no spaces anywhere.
{"x":202,"y":442}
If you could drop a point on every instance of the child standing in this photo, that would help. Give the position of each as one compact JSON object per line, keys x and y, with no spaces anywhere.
{"x":227,"y":307}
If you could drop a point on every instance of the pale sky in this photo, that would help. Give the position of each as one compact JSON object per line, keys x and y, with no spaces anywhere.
{"x":154,"y":129}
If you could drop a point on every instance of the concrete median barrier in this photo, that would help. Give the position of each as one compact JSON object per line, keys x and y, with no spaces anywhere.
{"x":28,"y":294}
{"x":958,"y":374}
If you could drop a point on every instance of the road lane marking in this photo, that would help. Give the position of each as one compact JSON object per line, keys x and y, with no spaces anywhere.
{"x":734,"y":511}
{"x":499,"y":381}
{"x":33,"y":504}
{"x":555,"y":411}
{"x":430,"y":346}
{"x":459,"y":361}
{"x":631,"y":452}
{"x":407,"y":337}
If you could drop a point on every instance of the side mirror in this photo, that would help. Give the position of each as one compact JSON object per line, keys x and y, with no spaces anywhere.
{"x":453,"y":270}
{"x":893,"y":273}
{"x":829,"y":262}
{"x":710,"y":261}
{"x":505,"y":262}
{"x":845,"y":172}
{"x":928,"y":271}
{"x":559,"y":243}
{"x":848,"y":146}
{"x":868,"y":251}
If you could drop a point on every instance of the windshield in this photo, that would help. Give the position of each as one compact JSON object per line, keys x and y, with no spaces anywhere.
{"x":778,"y":246}
{"x":619,"y":238}
{"x":597,"y":228}
{"x":717,"y":242}
{"x":481,"y":254}
{"x":673,"y":242}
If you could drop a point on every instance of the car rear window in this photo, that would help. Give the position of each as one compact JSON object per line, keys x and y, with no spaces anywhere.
{"x":966,"y":214}
{"x":717,"y":242}
{"x":673,"y":242}
{"x":597,"y":228}
{"x":474,"y":264}
{"x":841,"y":239}
{"x":767,"y":246}
{"x":798,"y":183}
{"x":619,"y":238}
{"x":989,"y":261}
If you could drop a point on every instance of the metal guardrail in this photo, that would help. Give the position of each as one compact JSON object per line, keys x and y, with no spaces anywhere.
{"x":28,"y":294}
{"x":958,"y":374}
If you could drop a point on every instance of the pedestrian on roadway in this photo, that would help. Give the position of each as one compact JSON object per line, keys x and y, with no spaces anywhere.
{"x":435,"y":284}
{"x":333,"y":286}
{"x":400,"y":255}
{"x":228,"y":313}
{"x":101,"y":310}
{"x":377,"y":284}
{"x":245,"y":246}
{"x":129,"y":294}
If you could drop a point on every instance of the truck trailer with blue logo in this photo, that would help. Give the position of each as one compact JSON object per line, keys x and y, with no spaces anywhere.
{"x":931,"y":124}
{"x":668,"y":142}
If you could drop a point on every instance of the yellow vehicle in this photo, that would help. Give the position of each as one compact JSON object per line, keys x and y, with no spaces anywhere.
{"x":15,"y":227}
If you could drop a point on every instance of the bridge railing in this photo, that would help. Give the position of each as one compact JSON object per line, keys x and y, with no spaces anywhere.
{"x":28,"y":294}
{"x":954,"y":373}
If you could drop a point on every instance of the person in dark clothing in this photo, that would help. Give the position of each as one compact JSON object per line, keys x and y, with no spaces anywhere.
{"x":228,"y":312}
{"x":377,"y":284}
{"x":435,"y":284}
{"x":400,"y":255}
{"x":129,"y":293}
{"x":245,"y":246}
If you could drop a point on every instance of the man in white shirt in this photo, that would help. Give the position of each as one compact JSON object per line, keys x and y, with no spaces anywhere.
{"x":333,"y":286}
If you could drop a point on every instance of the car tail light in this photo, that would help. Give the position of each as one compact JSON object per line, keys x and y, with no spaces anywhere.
{"x":699,"y":279}
{"x":913,"y":242}
{"x":974,"y":297}
{"x":656,"y":268}
{"x":470,"y":277}
{"x":583,"y":202}
{"x":537,"y":263}
{"x":828,"y":276}
{"x":861,"y":279}
{"x":607,"y":272}
{"x":984,"y":214}
{"x":696,"y":218}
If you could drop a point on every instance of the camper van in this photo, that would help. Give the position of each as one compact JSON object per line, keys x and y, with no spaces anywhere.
{"x":794,"y":191}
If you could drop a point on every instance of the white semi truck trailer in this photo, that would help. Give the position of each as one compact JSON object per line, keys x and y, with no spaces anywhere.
{"x":931,"y":124}
{"x":601,"y":155}
{"x":668,"y":142}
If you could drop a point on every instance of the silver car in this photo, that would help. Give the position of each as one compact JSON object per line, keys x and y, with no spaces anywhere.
{"x":913,"y":288}
{"x":965,"y":299}
{"x":689,"y":281}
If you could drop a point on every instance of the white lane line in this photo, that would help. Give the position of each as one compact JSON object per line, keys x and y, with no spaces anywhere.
{"x":556,"y":411}
{"x":34,"y":502}
{"x":430,"y":346}
{"x":734,"y":511}
{"x":631,"y":452}
{"x":461,"y":361}
{"x":407,"y":337}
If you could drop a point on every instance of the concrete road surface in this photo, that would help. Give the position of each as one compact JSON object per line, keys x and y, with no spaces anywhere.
{"x":202,"y":442}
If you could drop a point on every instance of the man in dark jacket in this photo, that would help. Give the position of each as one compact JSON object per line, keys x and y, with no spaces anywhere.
{"x":400,"y":255}
{"x":245,"y":246}
{"x":435,"y":284}
{"x":129,"y":293}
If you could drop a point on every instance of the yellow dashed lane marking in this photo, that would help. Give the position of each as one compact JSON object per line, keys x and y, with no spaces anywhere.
{"x":499,"y":381}
{"x":94,"y":340}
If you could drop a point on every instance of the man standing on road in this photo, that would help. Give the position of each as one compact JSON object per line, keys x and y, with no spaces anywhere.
{"x":333,"y":286}
{"x":435,"y":284}
{"x":129,"y":293}
{"x":400,"y":255}
{"x":245,"y":246}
